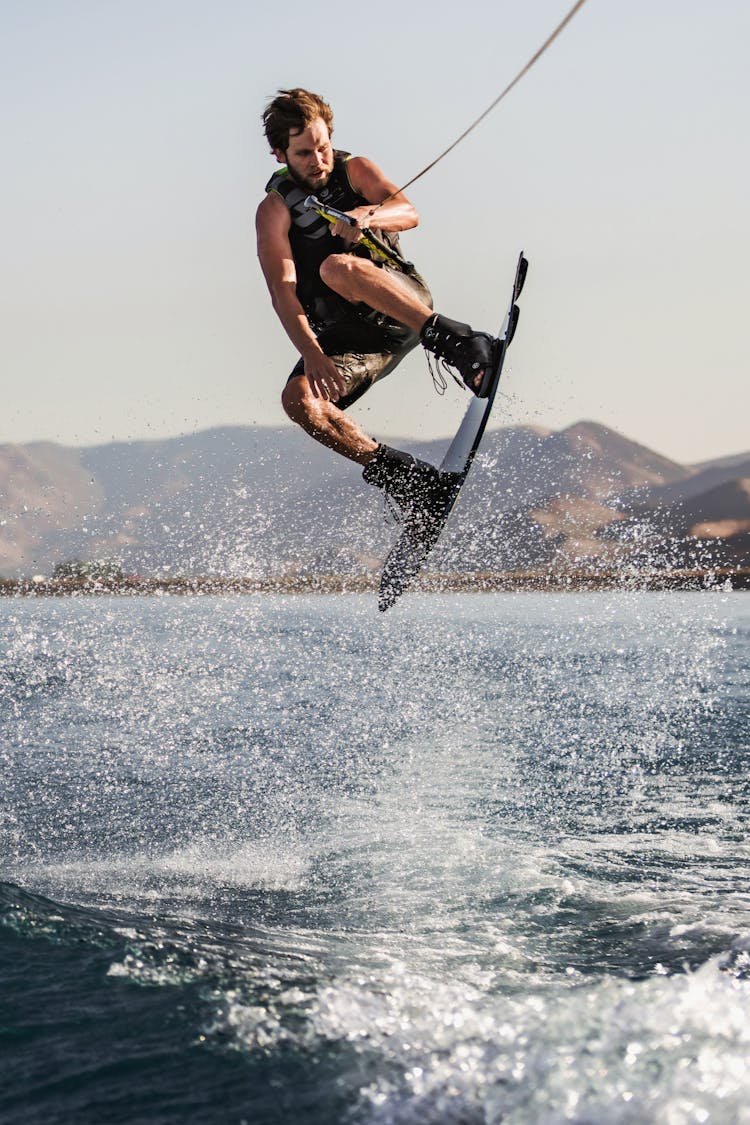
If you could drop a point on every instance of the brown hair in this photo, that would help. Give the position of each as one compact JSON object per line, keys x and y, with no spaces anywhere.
{"x":291,"y":111}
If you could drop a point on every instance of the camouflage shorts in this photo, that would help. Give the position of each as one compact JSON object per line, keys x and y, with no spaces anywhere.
{"x":360,"y":370}
{"x":359,"y":360}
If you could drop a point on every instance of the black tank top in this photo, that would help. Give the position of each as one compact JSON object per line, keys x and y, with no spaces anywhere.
{"x":312,"y":242}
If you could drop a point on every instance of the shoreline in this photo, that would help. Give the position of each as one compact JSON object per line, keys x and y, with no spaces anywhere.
{"x":721,"y":578}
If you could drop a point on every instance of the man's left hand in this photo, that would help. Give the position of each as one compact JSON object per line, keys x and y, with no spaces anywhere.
{"x":350,"y":233}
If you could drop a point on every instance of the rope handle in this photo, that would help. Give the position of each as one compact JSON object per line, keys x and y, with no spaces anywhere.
{"x":376,"y":245}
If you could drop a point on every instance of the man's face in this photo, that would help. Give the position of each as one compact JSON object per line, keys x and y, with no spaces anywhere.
{"x":309,"y":156}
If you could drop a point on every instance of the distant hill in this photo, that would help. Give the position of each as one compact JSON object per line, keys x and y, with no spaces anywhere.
{"x":256,"y":501}
{"x":710,"y":528}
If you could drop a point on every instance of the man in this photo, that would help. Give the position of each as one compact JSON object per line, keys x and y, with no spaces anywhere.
{"x":351,"y":318}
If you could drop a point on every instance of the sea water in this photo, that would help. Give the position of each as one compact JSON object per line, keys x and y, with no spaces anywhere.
{"x":283,"y":859}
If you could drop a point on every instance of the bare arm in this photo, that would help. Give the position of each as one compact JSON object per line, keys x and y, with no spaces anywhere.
{"x":396,"y":215}
{"x":272,"y":223}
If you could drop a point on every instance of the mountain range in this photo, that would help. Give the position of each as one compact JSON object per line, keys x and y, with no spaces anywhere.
{"x":252,"y":501}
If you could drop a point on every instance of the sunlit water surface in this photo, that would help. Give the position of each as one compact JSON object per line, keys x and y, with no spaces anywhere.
{"x":275,"y":860}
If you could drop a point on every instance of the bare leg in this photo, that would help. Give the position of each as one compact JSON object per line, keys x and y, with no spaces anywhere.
{"x":358,"y":279}
{"x":326,"y":423}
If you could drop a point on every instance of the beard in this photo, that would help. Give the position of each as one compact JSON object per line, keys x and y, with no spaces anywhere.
{"x":312,"y":186}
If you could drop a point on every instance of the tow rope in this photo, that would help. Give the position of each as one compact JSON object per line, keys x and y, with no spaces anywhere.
{"x":521,"y":74}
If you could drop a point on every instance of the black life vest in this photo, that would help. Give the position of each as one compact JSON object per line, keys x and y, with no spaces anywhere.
{"x":312,"y":242}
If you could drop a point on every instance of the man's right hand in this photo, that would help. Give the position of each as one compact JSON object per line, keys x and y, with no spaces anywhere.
{"x":326,"y":381}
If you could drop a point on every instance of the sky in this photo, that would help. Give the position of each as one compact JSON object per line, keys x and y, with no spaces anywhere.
{"x":131,"y":301}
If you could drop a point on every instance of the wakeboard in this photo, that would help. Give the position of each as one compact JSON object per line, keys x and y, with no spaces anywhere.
{"x":422,"y":529}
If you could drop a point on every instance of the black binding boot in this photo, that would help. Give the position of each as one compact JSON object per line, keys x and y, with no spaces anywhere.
{"x":414,"y":486}
{"x":471,"y":353}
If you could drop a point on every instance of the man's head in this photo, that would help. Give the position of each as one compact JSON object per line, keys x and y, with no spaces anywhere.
{"x":298,"y":126}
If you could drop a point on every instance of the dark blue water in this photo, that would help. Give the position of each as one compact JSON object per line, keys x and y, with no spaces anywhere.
{"x":285,"y":860}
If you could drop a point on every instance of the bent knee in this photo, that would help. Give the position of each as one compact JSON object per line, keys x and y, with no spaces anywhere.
{"x":337,"y":267}
{"x":296,"y":398}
